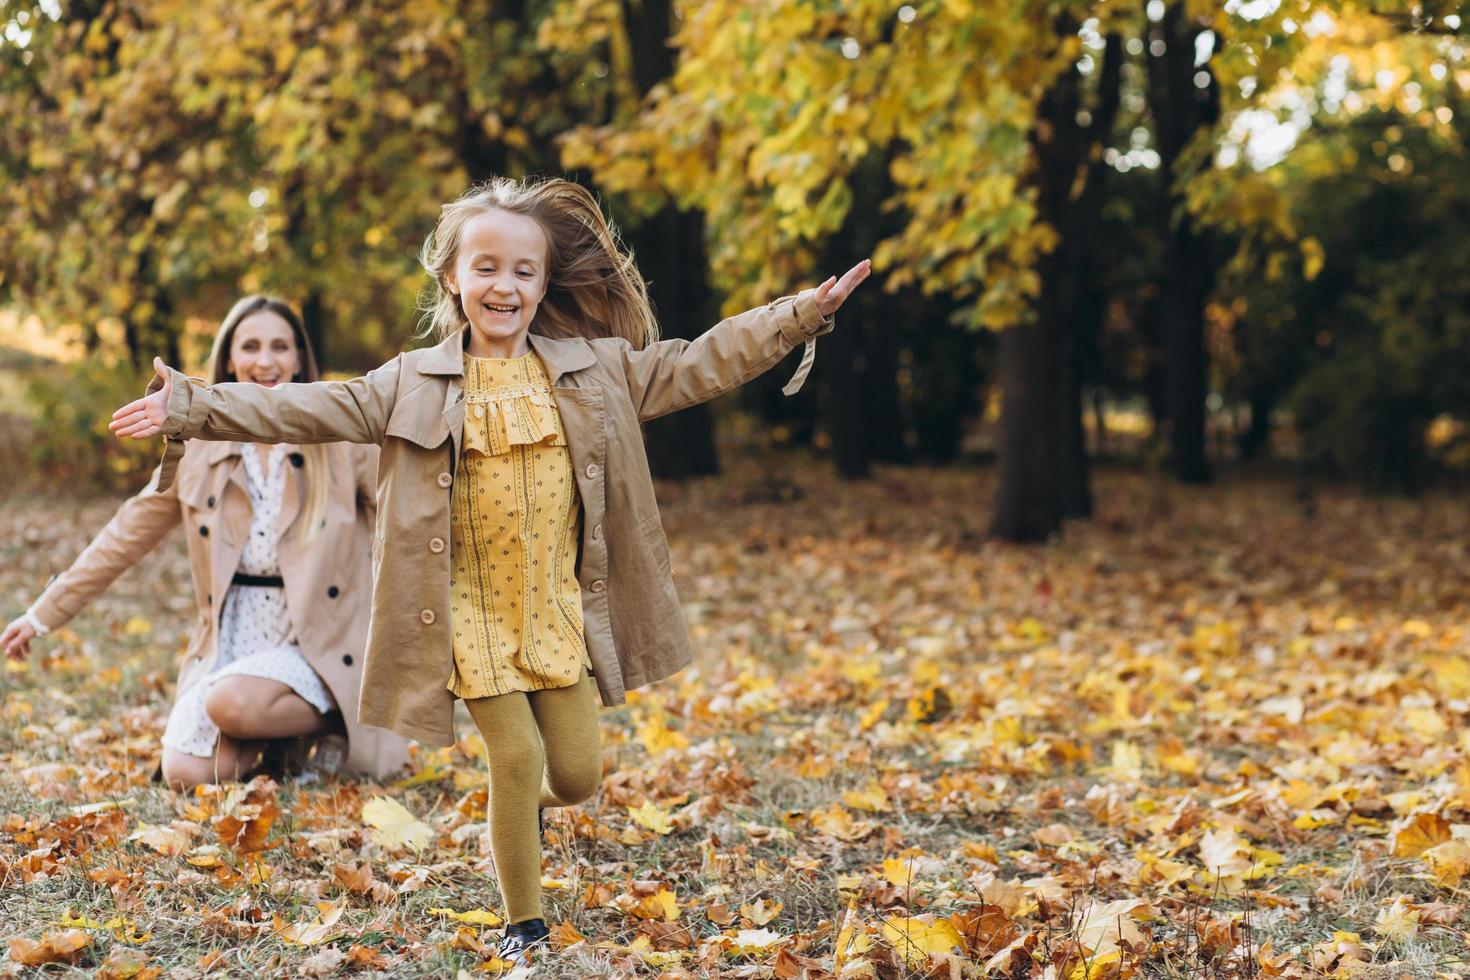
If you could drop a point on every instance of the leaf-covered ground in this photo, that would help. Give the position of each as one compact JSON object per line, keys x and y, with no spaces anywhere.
{"x":1212,"y":733}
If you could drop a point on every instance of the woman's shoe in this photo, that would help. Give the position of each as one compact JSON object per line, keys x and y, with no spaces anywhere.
{"x":520,"y":938}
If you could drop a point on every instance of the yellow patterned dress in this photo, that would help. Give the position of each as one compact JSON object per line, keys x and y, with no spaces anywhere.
{"x":515,"y":605}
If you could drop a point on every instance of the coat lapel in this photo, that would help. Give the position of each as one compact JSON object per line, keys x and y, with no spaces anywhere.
{"x":446,"y":360}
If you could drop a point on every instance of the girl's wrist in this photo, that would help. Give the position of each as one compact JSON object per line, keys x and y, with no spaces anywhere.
{"x":34,"y":622}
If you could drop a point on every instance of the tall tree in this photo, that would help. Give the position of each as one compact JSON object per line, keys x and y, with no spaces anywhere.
{"x":1185,"y":103}
{"x":1043,"y":454}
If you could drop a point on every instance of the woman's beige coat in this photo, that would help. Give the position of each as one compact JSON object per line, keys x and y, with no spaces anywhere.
{"x":413,"y":407}
{"x":327,"y":575}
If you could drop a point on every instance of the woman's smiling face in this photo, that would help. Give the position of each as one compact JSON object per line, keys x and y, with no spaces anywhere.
{"x":500,"y":277}
{"x":263,"y":350}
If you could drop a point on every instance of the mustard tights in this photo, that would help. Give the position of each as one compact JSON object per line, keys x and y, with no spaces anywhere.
{"x":544,"y":750}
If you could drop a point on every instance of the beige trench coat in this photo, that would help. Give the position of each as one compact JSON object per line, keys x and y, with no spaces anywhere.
{"x":413,"y":407}
{"x":327,"y":576}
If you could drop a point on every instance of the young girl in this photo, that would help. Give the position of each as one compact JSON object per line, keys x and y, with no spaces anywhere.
{"x":519,"y":558}
{"x":278,"y":542}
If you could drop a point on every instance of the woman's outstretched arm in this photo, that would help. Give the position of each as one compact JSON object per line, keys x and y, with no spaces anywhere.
{"x":137,"y":527}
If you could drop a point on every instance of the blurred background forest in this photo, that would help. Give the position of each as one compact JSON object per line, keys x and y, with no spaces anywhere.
{"x":1194,"y":236}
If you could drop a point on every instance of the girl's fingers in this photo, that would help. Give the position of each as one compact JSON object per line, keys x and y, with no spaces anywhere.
{"x":130,"y":408}
{"x":134,"y":427}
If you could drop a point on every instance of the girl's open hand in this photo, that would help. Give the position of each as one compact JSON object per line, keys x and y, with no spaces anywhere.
{"x":144,"y":417}
{"x":16,"y":640}
{"x":832,"y":293}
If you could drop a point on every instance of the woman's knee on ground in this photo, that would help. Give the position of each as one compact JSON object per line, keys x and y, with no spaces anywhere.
{"x":183,"y":772}
{"x":230,"y":709}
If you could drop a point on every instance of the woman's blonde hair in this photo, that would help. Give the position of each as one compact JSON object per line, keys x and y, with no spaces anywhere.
{"x":315,"y":472}
{"x":593,"y":287}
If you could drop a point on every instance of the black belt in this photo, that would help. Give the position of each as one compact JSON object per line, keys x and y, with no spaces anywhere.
{"x":268,"y":581}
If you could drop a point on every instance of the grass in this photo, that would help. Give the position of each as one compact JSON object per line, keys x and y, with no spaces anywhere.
{"x":1029,"y":729}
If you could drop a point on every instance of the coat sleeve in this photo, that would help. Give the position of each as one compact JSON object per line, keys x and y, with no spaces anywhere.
{"x":673,"y":374}
{"x":137,"y":527}
{"x":322,"y":411}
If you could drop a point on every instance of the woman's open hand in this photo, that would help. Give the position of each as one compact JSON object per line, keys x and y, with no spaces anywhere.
{"x":832,"y":293}
{"x":16,"y":640}
{"x":145,"y":417}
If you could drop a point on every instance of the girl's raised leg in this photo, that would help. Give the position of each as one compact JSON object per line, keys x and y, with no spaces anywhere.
{"x":567,"y":720}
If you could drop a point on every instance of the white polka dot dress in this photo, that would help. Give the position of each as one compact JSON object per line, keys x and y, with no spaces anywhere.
{"x":255,"y":625}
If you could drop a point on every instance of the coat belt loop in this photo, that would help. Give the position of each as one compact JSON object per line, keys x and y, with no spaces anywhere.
{"x":802,"y":370}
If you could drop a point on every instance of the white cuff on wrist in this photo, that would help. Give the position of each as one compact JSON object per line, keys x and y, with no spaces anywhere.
{"x":41,"y":628}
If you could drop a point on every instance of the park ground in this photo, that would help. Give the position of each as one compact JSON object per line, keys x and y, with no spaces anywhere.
{"x":1212,"y":732}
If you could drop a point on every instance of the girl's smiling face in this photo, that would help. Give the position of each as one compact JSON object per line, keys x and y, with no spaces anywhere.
{"x":500,"y":277}
{"x":263,"y":350}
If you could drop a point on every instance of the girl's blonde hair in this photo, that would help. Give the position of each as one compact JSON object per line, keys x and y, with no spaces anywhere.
{"x":314,"y":470}
{"x":593,"y":287}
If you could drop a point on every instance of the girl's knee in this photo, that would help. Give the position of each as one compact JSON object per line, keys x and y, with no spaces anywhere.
{"x":576,"y":783}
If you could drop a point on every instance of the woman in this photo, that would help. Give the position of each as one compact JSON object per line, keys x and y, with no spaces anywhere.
{"x":279,"y":541}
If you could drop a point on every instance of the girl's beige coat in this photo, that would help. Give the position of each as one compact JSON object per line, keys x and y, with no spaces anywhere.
{"x":413,"y":407}
{"x":327,"y":575}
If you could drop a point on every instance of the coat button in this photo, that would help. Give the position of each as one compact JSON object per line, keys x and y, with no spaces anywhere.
{"x":297,"y":460}
{"x":427,"y":617}
{"x":210,"y":502}
{"x":597,"y":532}
{"x":598,"y":585}
{"x":436,"y":545}
{"x":347,"y":659}
{"x":445,"y":480}
{"x":333,"y":592}
{"x":592,"y":470}
{"x":203,"y":532}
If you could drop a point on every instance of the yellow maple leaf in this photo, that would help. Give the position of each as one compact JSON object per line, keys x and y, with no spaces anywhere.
{"x":1102,"y":928}
{"x":1419,"y":833}
{"x":899,"y":871}
{"x":658,"y":738}
{"x":394,"y":827}
{"x":652,"y":817}
{"x":749,"y":942}
{"x":1127,"y":760}
{"x":137,"y":626}
{"x":1449,"y":862}
{"x":761,"y":911}
{"x":1397,"y":922}
{"x":1225,"y":854}
{"x":915,"y":939}
{"x":475,"y":917}
{"x":852,"y":938}
{"x":871,"y":798}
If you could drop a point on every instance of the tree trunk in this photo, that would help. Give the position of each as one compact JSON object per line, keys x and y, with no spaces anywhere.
{"x":669,"y":248}
{"x":843,"y":413}
{"x":314,"y":319}
{"x":1180,"y":109}
{"x":670,"y":252}
{"x":880,"y":402}
{"x":1043,"y":472}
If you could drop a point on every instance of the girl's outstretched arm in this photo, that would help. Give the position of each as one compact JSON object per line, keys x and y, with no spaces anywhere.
{"x":323,"y":411}
{"x":137,"y":527}
{"x":675,"y":374}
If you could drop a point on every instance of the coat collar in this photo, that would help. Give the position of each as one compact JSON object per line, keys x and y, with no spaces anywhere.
{"x":560,"y":356}
{"x":218,"y":452}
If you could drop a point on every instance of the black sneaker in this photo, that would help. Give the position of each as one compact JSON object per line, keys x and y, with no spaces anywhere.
{"x":520,"y":937}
